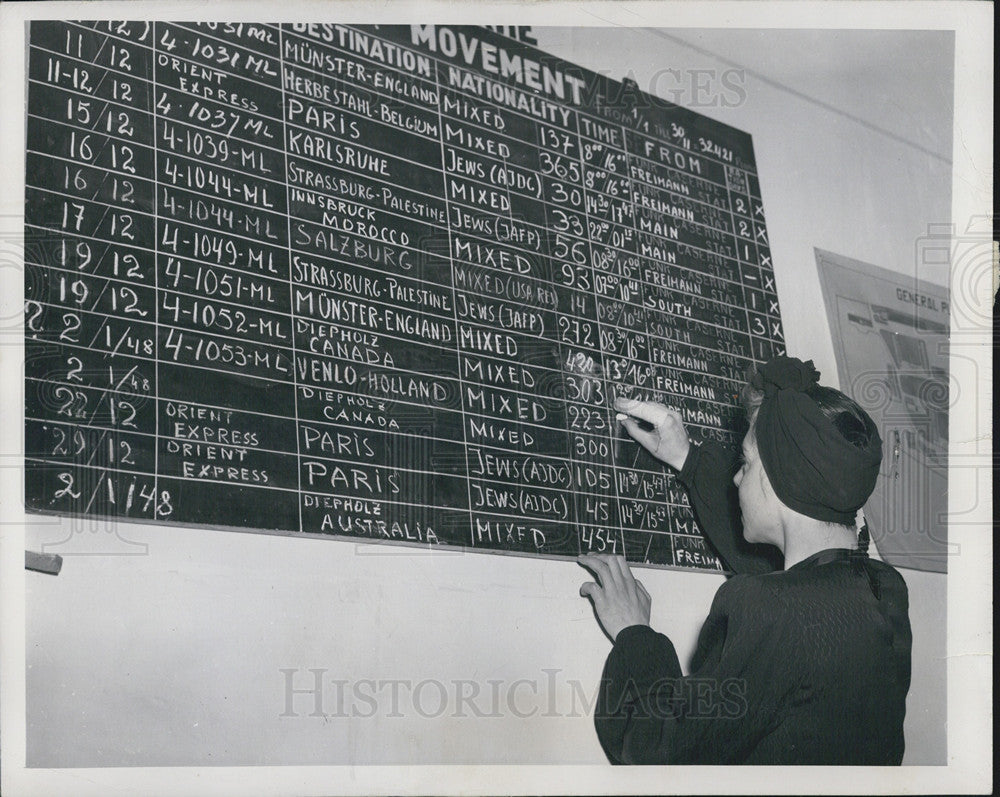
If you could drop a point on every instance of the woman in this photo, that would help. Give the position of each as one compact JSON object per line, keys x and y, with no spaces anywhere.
{"x":806,"y":665}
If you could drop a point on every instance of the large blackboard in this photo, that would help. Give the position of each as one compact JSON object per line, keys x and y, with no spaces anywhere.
{"x":376,"y":282}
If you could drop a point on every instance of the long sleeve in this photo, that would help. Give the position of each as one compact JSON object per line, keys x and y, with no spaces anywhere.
{"x":647,"y":713}
{"x":708,"y":475}
{"x":641,"y":661}
{"x":807,"y":666}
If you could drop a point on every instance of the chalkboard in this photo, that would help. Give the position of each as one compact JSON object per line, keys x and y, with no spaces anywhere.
{"x":376,"y":282}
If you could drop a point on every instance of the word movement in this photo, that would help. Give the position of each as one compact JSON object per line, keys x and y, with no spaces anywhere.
{"x":376,"y":282}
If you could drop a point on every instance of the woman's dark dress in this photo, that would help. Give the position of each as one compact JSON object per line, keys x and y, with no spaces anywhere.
{"x":809,"y":665}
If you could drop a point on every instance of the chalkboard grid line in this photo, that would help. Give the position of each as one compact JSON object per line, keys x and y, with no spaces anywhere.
{"x":442,"y":62}
{"x":732,"y":221}
{"x":396,"y":215}
{"x":471,"y":322}
{"x":716,"y":277}
{"x":637,"y":157}
{"x":486,"y":156}
{"x":688,"y":327}
{"x":730,"y":189}
{"x":561,"y":346}
{"x":262,"y":450}
{"x":458,"y":353}
{"x":388,"y":336}
{"x":686,"y":198}
{"x":379,"y":65}
{"x":658,"y":501}
{"x":631,"y":196}
{"x":422,"y":547}
{"x":444,"y":349}
{"x":576,"y":110}
{"x":291,"y":286}
{"x":154,"y":111}
{"x":388,"y":184}
{"x":416,"y":250}
{"x":544,"y":202}
{"x":260,"y":115}
{"x":446,"y":378}
{"x":609,"y":391}
{"x":193,"y":328}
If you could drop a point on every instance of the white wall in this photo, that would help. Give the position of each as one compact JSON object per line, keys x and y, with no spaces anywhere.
{"x":176,"y":656}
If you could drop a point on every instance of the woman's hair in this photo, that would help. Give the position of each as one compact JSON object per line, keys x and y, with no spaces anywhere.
{"x":847,"y":416}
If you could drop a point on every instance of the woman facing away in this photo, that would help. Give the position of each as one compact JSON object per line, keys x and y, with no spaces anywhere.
{"x":809,"y":664}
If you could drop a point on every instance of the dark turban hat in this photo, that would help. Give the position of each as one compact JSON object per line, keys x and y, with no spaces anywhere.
{"x":813,"y":468}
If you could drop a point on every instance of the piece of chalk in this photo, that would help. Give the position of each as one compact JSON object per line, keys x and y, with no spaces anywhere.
{"x":621,"y":416}
{"x":50,"y":563}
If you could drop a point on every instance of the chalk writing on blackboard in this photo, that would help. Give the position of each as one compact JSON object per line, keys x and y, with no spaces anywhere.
{"x":376,"y":282}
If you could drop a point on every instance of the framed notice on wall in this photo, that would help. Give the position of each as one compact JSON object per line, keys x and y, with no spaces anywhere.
{"x":376,"y":282}
{"x":890,"y":335}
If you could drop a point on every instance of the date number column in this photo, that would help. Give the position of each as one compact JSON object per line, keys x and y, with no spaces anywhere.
{"x":89,"y":277}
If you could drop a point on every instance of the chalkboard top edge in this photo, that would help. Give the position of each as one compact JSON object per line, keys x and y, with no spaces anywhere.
{"x":645,"y":98}
{"x":650,"y":100}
